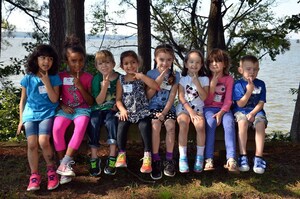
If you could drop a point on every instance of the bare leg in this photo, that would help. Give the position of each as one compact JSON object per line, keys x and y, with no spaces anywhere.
{"x":242,"y":136}
{"x":32,"y":153}
{"x":156,"y":128}
{"x":170,"y":135}
{"x":44,"y":141}
{"x":260,"y":138}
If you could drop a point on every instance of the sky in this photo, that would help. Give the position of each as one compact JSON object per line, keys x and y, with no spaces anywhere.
{"x":284,"y":7}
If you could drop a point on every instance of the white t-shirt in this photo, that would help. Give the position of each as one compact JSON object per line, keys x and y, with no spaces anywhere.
{"x":191,"y":94}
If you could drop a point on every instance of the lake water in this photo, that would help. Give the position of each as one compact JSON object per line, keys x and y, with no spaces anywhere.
{"x":279,"y":76}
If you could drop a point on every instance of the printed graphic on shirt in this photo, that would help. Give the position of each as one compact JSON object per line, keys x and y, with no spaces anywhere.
{"x":191,"y":93}
{"x":220,"y":92}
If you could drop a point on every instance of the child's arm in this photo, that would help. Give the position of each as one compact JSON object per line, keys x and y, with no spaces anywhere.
{"x":102,"y":95}
{"x":202,"y":91}
{"x":151,"y":92}
{"x":244,"y":100}
{"x":21,"y":108}
{"x":170,"y":101}
{"x":185,"y":104}
{"x":213,"y":83}
{"x":257,"y":108}
{"x":85,"y":94}
{"x":53,"y":92}
{"x":151,"y":83}
{"x":123,"y":112}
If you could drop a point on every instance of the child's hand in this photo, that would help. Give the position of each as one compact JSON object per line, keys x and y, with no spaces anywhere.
{"x":250,"y":85}
{"x":195,"y":79}
{"x":19,"y":130}
{"x":215,"y":79}
{"x":218,"y":117}
{"x":105,"y":83}
{"x":123,"y":115}
{"x":160,"y":116}
{"x":67,"y":109}
{"x":195,"y":116}
{"x":250,"y":117}
{"x":45,"y":78}
{"x":77,"y":82}
{"x":138,"y":75}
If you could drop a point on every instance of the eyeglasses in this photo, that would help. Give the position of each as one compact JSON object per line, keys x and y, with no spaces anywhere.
{"x":44,"y":58}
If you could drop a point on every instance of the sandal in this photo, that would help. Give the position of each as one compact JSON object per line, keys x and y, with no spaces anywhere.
{"x":209,"y":165}
{"x":231,"y":165}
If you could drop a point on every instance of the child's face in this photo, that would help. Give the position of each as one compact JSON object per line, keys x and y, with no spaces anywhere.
{"x":164,"y":60}
{"x":44,"y":63}
{"x":130,"y":64}
{"x":216,"y":66}
{"x":105,"y":66}
{"x":194,"y":63}
{"x":75,"y":61}
{"x":249,"y":70}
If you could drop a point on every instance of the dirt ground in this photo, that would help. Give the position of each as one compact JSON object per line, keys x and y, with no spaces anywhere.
{"x":15,"y":174}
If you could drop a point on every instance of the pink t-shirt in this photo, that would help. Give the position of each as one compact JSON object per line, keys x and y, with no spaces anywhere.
{"x":70,"y":95}
{"x":222,"y":98}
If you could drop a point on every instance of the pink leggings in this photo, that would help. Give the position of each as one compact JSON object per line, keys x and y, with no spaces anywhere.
{"x":60,"y":126}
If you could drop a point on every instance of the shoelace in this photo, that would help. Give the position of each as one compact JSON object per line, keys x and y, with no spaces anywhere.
{"x":69,"y":164}
{"x":146,"y":161}
{"x":261,"y":163}
{"x":94,"y":164}
{"x":51,"y":177}
{"x":111,"y":163}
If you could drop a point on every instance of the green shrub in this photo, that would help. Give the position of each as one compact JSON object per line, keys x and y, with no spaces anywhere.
{"x":9,"y":110}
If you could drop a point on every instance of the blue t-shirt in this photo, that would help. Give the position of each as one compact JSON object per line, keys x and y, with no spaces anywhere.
{"x":38,"y":105}
{"x":160,"y":99}
{"x":258,"y":94}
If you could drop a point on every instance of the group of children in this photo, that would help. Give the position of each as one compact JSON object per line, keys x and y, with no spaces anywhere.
{"x":207,"y":97}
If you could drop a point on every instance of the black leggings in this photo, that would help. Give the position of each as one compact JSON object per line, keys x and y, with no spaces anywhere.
{"x":145,"y":130}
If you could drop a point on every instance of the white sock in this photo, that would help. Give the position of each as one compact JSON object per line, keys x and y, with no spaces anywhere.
{"x":200,"y":150}
{"x":182,"y":151}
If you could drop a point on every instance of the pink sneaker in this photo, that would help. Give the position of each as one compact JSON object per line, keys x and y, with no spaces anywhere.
{"x":66,"y":169}
{"x":34,"y":182}
{"x":53,"y":181}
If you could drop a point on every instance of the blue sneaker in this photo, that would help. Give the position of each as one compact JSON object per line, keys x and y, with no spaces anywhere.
{"x":259,"y":165}
{"x":243,"y":163}
{"x":198,"y":166}
{"x":183,"y":165}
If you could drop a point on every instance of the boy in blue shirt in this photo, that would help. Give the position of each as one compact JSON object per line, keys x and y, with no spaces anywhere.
{"x":249,"y":96}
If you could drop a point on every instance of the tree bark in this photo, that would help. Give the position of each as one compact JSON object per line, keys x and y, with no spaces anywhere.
{"x":75,"y":19}
{"x":144,"y":33}
{"x":215,"y":30}
{"x":57,"y":26}
{"x":295,"y":128}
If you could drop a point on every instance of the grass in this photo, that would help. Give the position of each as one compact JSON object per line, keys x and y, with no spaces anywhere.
{"x":281,"y":180}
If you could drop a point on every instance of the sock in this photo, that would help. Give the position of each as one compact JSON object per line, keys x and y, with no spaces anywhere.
{"x":147,"y":154}
{"x":155,"y":157}
{"x":182,"y":151}
{"x":169,"y":156}
{"x":121,"y":151}
{"x":200,"y":150}
{"x":51,"y":167}
{"x":66,"y":159}
{"x":241,"y":155}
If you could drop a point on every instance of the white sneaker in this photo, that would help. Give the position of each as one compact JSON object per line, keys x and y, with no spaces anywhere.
{"x":65,"y":179}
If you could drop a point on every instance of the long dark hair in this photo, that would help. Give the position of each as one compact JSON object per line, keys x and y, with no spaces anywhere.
{"x":42,"y":50}
{"x":184,"y":71}
{"x":166,"y":48}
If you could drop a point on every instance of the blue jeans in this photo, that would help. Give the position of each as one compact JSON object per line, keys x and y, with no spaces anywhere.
{"x":97,"y":119}
{"x":229,"y":132}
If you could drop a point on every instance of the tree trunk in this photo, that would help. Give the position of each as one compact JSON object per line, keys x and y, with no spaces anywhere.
{"x":295,"y":128}
{"x":75,"y":19}
{"x":215,"y":31}
{"x":144,"y":33}
{"x":57,"y":26}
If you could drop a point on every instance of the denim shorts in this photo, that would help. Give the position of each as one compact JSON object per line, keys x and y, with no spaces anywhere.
{"x":258,"y":118}
{"x":43,"y":127}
